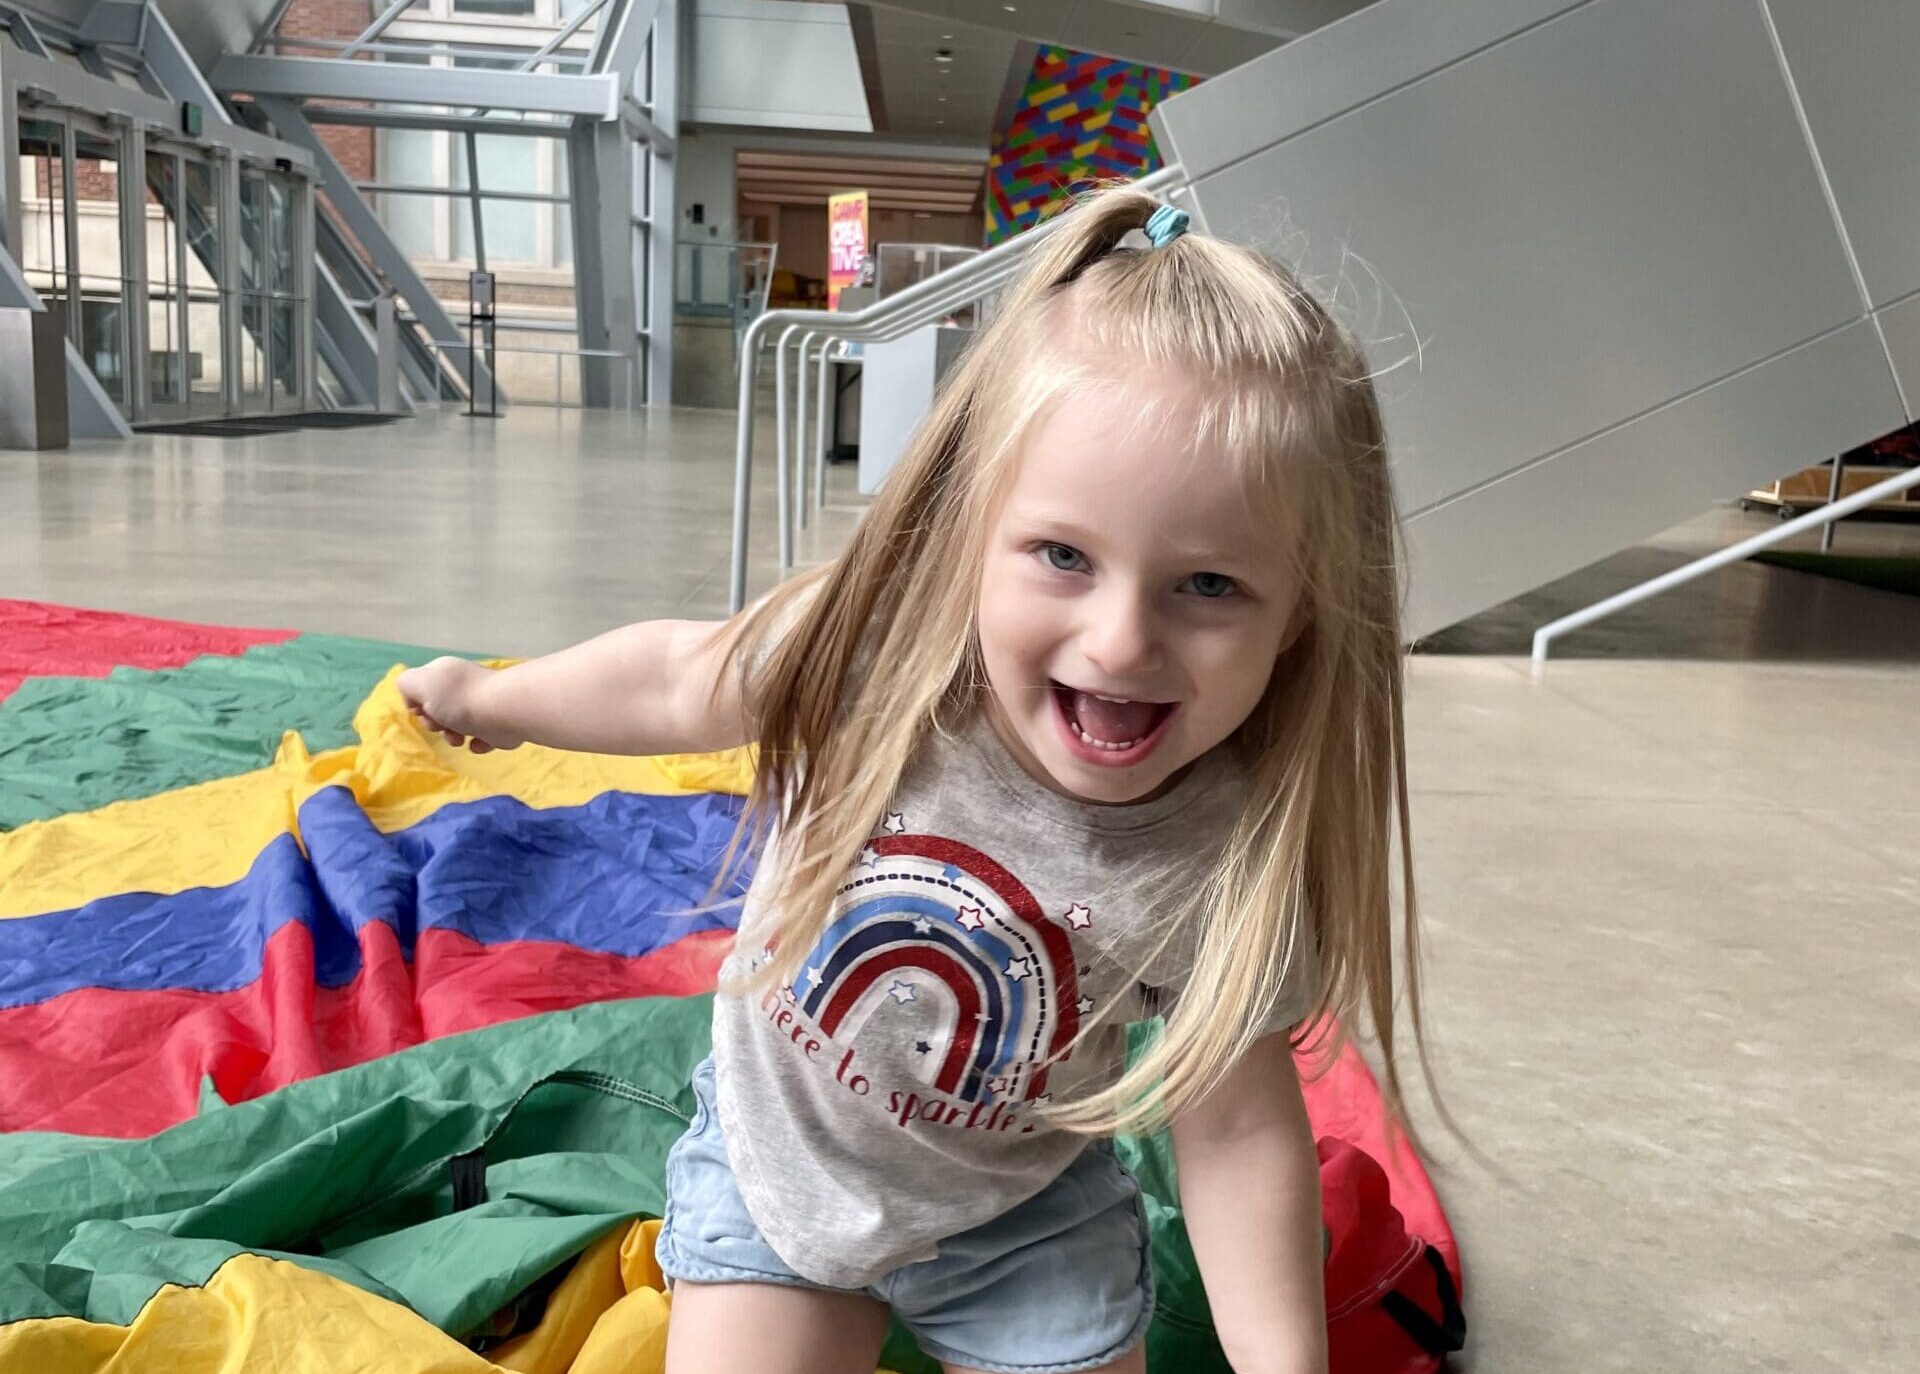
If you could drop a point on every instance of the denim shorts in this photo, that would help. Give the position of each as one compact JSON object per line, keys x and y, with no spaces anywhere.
{"x":1062,"y":1282}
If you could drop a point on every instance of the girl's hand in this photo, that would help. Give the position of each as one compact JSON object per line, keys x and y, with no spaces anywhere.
{"x":444,"y":693}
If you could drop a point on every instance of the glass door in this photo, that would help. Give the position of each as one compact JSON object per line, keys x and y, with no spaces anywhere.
{"x":166,"y":296}
{"x":185,"y":369}
{"x":99,"y":276}
{"x":46,"y":252}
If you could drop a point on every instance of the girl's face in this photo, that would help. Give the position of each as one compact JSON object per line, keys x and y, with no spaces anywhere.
{"x":1132,"y":606}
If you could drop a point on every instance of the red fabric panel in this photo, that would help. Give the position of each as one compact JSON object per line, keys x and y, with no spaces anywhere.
{"x":1345,"y":1103}
{"x":128,"y":1064}
{"x":38,"y":639}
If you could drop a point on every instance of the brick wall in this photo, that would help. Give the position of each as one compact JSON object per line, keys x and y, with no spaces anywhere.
{"x":343,"y":19}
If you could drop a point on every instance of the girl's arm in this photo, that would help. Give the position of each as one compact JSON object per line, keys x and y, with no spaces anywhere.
{"x":659,"y":687}
{"x":1250,"y":1188}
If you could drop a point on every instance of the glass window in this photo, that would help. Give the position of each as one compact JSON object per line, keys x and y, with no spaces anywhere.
{"x":412,"y":220}
{"x":507,"y":163}
{"x":509,"y":7}
{"x":280,"y":234}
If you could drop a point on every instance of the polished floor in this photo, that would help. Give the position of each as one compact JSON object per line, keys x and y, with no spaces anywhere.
{"x":1671,"y":895}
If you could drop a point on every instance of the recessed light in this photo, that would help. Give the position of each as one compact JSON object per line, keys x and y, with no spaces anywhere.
{"x":923,"y":214}
{"x":946,"y":35}
{"x":1010,"y":9}
{"x":943,"y":100}
{"x":942,"y":56}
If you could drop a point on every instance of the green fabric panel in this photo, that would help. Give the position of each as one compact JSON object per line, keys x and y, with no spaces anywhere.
{"x":349,"y":1173}
{"x":75,"y":744}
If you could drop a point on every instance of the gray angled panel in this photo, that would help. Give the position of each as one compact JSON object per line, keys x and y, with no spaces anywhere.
{"x":1901,"y":326}
{"x":1583,"y":223}
{"x":1855,"y":77}
{"x":1629,"y":484}
{"x":1346,"y":65}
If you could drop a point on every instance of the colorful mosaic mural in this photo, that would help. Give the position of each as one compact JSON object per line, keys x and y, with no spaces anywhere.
{"x":1081,"y":118}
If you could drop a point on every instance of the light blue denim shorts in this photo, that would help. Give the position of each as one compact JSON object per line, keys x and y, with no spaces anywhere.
{"x":1062,"y":1282}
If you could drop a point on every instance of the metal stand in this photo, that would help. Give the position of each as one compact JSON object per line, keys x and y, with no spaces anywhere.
{"x":479,"y":319}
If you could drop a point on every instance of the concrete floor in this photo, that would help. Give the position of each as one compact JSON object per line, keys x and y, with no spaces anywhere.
{"x":1672,"y":906}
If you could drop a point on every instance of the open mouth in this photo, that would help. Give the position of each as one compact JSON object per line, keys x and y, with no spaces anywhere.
{"x":1110,"y":730}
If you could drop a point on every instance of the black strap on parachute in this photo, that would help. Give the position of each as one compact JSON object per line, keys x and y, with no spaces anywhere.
{"x":1448,"y":1335}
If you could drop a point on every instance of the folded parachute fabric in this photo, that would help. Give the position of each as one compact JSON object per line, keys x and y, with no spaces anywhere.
{"x":258,"y":929}
{"x":445,"y":1181}
{"x":340,"y":973}
{"x":74,"y":743}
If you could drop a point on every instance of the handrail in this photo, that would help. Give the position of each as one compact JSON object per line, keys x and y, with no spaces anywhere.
{"x":1733,"y":553}
{"x":964,"y":284}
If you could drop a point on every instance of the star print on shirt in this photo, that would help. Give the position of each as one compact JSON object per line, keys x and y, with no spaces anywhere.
{"x":1084,"y":1005}
{"x":868,"y":858}
{"x":813,"y":978}
{"x":896,"y":823}
{"x":922,"y":1047}
{"x":970,"y":917}
{"x":921,"y":925}
{"x":1079,"y":916}
{"x":899,"y":991}
{"x":1021,"y":968}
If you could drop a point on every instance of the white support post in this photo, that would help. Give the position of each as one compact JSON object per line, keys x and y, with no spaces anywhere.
{"x":829,"y":396}
{"x":800,"y":433}
{"x":783,"y":483}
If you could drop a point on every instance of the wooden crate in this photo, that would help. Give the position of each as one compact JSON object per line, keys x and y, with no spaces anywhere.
{"x":1807,"y":490}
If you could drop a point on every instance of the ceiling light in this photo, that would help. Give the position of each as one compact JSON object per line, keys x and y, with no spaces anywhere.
{"x":943,"y":100}
{"x":923,"y":214}
{"x":943,"y":55}
{"x":1010,"y":9}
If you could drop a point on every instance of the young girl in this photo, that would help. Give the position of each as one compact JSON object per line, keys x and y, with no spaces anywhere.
{"x":1097,"y":717}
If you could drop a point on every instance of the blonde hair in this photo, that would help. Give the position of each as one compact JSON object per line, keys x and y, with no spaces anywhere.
{"x":1290,"y":397}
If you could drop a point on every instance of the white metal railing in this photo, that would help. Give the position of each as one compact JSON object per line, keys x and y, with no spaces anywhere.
{"x":1544,"y":636}
{"x":922,"y":303}
{"x":629,"y":374}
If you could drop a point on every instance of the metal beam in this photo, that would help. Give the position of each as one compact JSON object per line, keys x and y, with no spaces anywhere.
{"x":24,"y":34}
{"x":178,"y":74}
{"x":660,"y":210}
{"x":437,"y":123}
{"x":387,"y":188}
{"x":421,"y":49}
{"x":643,"y":126}
{"x":553,"y":45}
{"x":333,"y":78}
{"x":601,"y":175}
{"x":379,"y":26}
{"x":366,"y":226}
{"x":623,"y":43}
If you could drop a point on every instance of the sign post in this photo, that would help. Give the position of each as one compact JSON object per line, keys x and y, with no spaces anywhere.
{"x":846,"y":242}
{"x":479,"y":324}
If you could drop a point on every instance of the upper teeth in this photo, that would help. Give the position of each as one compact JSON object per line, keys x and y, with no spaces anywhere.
{"x":1122,"y":700}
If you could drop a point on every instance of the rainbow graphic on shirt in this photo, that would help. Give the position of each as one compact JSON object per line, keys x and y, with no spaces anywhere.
{"x":926,"y":918}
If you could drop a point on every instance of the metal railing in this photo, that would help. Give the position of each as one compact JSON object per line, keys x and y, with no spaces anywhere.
{"x":1825,"y":516}
{"x":917,"y":305}
{"x":629,"y":374}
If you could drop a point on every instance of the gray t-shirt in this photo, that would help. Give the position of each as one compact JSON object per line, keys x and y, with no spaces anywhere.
{"x":985,"y":954}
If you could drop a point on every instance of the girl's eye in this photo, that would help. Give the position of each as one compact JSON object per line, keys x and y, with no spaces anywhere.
{"x":1212,"y":586}
{"x":1061,"y":558}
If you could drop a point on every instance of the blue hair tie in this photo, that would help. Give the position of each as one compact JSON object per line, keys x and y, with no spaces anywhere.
{"x":1165,"y":225}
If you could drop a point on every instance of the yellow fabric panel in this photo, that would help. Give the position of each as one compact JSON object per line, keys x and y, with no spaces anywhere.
{"x":255,"y":1316}
{"x":591,"y":1287}
{"x":1064,"y":110}
{"x":209,"y":835}
{"x":1053,"y":92}
{"x":1094,"y":123}
{"x":262,"y":1316}
{"x":1086,"y":149}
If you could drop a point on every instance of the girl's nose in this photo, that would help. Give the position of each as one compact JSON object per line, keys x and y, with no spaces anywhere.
{"x":1122,"y":636}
